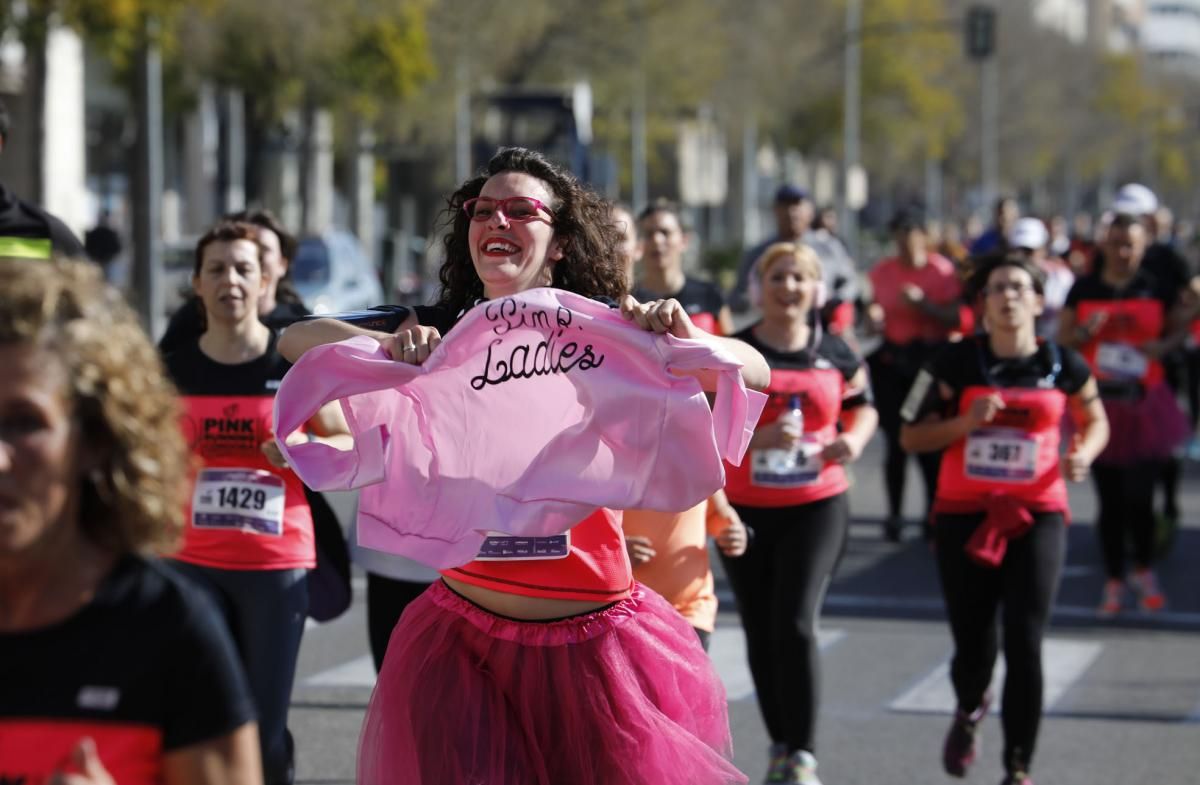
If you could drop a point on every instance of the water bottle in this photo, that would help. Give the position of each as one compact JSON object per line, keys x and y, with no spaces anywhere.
{"x":786,"y":460}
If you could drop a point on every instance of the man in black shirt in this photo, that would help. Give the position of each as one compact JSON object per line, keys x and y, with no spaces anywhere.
{"x":27,"y":231}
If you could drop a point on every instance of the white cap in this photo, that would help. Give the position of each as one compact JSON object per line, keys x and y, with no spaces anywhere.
{"x":1028,"y":233}
{"x":1134,"y":199}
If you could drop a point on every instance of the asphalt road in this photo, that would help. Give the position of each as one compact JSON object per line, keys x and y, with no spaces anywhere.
{"x":1123,"y":696}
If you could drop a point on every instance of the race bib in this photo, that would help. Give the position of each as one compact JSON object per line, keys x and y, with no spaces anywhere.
{"x":251,"y":500}
{"x":1121,"y":361}
{"x":788,"y":468}
{"x":499,"y":546}
{"x":1001,"y":455}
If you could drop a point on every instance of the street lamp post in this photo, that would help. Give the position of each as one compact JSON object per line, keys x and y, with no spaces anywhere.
{"x":148,"y":182}
{"x":981,"y":46}
{"x":851,"y":121}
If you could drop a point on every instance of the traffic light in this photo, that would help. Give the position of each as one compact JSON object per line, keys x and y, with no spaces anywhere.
{"x":981,"y":32}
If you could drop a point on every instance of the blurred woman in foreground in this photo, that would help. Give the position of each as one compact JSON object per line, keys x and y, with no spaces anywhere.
{"x":92,"y":474}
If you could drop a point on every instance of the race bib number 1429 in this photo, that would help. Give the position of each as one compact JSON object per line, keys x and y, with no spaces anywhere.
{"x":248,"y":499}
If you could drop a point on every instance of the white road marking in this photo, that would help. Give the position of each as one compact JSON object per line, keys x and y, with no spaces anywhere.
{"x":1063,"y":663}
{"x":728,"y":653}
{"x":358,"y":672}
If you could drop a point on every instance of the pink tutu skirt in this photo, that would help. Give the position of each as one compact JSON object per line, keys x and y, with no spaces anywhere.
{"x":621,"y":696}
{"x":1147,"y":429}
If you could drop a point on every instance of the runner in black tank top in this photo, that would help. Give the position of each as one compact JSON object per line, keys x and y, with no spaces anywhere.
{"x":995,"y":404}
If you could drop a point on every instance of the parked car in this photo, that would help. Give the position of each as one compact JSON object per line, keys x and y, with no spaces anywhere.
{"x":332,"y":274}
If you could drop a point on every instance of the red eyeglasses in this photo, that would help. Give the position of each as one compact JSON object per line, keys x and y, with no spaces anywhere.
{"x":515,"y":208}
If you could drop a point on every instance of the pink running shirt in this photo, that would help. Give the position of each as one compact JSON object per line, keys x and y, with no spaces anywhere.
{"x":535,"y":411}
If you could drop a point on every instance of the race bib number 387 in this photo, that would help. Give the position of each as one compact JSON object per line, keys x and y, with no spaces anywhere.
{"x":248,"y":499}
{"x":1001,"y":455}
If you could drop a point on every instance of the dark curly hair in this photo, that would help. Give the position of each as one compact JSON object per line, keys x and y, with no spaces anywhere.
{"x":582,"y":221}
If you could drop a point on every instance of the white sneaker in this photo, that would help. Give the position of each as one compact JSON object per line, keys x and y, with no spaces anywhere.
{"x":802,"y":769}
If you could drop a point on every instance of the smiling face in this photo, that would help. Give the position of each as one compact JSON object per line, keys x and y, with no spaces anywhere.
{"x":229,"y":281}
{"x":1011,"y":300}
{"x":513,"y":256}
{"x":789,"y":288}
{"x":40,"y":454}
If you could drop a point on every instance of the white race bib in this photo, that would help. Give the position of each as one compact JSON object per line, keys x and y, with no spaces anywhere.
{"x":1001,"y":455}
{"x":775,"y":468}
{"x":499,"y":546}
{"x":1121,"y":361}
{"x":251,"y":500}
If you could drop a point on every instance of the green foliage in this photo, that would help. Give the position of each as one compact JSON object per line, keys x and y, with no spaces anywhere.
{"x":384,"y":58}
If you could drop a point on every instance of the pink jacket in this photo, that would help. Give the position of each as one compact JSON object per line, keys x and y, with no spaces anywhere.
{"x":535,"y":411}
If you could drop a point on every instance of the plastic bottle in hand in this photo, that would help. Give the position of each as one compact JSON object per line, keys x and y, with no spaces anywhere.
{"x":793,"y":420}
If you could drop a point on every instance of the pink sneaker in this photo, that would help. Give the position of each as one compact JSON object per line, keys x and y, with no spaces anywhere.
{"x":1112,"y":599}
{"x":1017,"y":778}
{"x":960,"y":748}
{"x":1150,"y":596}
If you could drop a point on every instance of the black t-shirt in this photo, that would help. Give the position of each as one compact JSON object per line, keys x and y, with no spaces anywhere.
{"x":1161,"y":260}
{"x":195,"y":373}
{"x":831,"y":352}
{"x":971,"y":363}
{"x":187,"y":324}
{"x":148,"y":654}
{"x":20,"y":220}
{"x":1144,"y":284}
{"x":437,"y":316}
{"x":696,"y":296}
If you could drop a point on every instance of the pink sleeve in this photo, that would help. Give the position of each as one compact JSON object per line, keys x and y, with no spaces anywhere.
{"x":329,"y":373}
{"x":736,"y":409}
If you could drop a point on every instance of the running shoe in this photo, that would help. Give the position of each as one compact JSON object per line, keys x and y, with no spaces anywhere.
{"x":1150,"y":596}
{"x":777,"y":768}
{"x":1017,"y":778}
{"x":1112,"y":599}
{"x":960,"y":748}
{"x":801,"y":769}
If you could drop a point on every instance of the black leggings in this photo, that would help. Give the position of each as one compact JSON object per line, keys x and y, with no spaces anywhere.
{"x":890,"y":384}
{"x":780,"y":583}
{"x":386,"y":600}
{"x":1193,"y":385}
{"x":1126,"y":495}
{"x":265,"y":611}
{"x":1025,"y":584}
{"x":895,"y":467}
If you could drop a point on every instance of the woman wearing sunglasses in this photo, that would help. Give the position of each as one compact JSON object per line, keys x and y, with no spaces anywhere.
{"x":540,"y":671}
{"x":994,"y":402}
